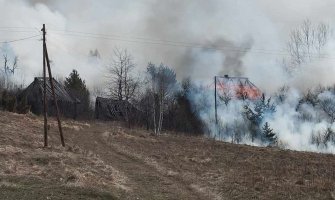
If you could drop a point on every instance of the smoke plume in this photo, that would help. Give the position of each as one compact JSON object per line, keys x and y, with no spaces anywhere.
{"x":198,"y":39}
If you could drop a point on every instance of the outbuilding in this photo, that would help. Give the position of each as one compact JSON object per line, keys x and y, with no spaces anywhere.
{"x":33,"y":95}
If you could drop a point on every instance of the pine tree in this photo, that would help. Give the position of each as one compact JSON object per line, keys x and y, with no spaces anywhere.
{"x":77,"y":88}
{"x":269,"y":134}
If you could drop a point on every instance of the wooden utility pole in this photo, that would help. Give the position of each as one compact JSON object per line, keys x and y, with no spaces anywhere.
{"x":46,"y":59}
{"x":44,"y":93}
{"x":216,"y":111}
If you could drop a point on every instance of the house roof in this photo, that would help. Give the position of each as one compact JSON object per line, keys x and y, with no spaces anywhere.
{"x":60,"y":91}
{"x":113,"y":109}
{"x":238,"y":85}
{"x":243,"y":81}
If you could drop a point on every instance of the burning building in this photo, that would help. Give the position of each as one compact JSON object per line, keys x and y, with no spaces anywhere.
{"x":228,"y":87}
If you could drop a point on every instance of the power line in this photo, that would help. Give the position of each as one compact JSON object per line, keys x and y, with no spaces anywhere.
{"x":163,"y":42}
{"x":176,"y":44}
{"x":135,"y":38}
{"x":16,"y":27}
{"x":20,"y":39}
{"x":16,"y":31}
{"x":181,"y":44}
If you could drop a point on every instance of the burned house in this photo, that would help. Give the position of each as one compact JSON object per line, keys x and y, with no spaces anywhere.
{"x":33,"y":95}
{"x":236,"y":88}
{"x":116,"y":110}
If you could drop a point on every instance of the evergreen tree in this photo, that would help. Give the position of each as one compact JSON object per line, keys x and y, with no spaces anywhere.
{"x":256,"y":115}
{"x":269,"y":134}
{"x":77,"y":88}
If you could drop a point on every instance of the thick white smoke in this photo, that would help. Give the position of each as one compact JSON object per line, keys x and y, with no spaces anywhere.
{"x":249,"y":38}
{"x":229,"y":25}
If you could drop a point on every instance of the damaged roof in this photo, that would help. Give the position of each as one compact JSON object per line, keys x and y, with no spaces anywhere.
{"x":241,"y":86}
{"x":60,"y":91}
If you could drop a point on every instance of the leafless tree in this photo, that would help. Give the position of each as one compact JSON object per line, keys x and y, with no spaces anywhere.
{"x":328,"y":106}
{"x":308,"y":37}
{"x":122,"y":82}
{"x":306,"y":43}
{"x":226,"y":96}
{"x":162,"y":82}
{"x":322,"y":35}
{"x":295,"y":47}
{"x":281,"y":94}
{"x":322,"y":138}
{"x":9,"y":69}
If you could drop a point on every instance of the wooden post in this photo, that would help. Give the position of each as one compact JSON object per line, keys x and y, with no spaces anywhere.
{"x":44,"y":93}
{"x":216,"y":111}
{"x":54,"y":97}
{"x":46,"y":57}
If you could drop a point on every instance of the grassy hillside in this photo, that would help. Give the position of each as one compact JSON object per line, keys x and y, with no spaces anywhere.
{"x":107,"y":161}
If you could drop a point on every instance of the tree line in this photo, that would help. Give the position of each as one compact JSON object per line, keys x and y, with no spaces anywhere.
{"x":162,"y":101}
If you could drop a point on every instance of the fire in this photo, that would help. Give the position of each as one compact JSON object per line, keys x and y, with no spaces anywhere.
{"x":237,"y":87}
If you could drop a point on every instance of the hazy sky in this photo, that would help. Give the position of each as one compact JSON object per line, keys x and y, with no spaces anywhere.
{"x":171,"y":32}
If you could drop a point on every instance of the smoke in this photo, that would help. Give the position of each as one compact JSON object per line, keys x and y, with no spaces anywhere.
{"x":198,"y":39}
{"x":297,"y":123}
{"x":240,"y":31}
{"x":180,"y":24}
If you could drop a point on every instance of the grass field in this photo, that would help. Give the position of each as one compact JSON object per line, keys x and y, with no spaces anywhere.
{"x":108,"y":161}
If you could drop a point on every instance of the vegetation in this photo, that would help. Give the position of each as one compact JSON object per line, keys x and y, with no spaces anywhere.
{"x":269,"y":134}
{"x":104,"y":161}
{"x":256,"y":115}
{"x":78,"y":90}
{"x":162,"y":83}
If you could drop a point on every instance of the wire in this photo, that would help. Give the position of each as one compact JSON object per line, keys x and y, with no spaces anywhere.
{"x":178,"y":43}
{"x":15,"y":27}
{"x":222,"y":48}
{"x":183,"y":44}
{"x":15,"y":31}
{"x":134,"y":38}
{"x":20,"y":39}
{"x":144,"y":40}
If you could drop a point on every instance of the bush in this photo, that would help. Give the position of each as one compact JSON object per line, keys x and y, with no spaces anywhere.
{"x":22,"y":106}
{"x":8,"y":101}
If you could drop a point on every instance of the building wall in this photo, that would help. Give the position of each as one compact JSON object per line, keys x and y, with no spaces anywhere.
{"x":35,"y":100}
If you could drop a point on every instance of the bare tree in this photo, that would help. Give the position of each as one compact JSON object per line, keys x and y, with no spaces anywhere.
{"x":306,"y":43}
{"x":328,"y":106}
{"x":281,"y":94}
{"x":322,"y":36}
{"x":226,"y":95}
{"x":295,"y":47}
{"x":162,"y":81}
{"x":8,"y":71}
{"x":308,"y":37}
{"x":122,"y":82}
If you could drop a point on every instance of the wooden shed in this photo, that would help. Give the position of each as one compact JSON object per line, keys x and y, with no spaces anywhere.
{"x":110,"y":109}
{"x":33,"y":95}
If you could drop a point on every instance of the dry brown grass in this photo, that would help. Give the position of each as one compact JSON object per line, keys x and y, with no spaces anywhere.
{"x":133,"y":164}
